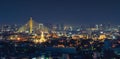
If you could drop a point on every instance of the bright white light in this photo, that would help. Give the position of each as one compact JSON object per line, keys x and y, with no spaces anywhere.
{"x":113,"y":37}
{"x":101,"y":32}
{"x":34,"y":58}
{"x":42,"y":58}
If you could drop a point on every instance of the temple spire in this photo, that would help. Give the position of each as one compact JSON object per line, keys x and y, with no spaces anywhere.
{"x":42,"y":39}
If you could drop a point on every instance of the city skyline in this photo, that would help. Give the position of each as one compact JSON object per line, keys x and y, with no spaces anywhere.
{"x":59,"y":29}
{"x":62,"y":11}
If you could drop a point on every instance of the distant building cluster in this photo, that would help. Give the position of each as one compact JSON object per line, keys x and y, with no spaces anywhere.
{"x":87,"y":40}
{"x":34,"y":29}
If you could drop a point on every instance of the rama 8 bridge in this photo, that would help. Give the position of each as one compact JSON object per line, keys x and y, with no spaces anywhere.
{"x":33,"y":27}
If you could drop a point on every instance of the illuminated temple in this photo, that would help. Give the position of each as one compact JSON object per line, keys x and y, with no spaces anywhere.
{"x":41,"y":39}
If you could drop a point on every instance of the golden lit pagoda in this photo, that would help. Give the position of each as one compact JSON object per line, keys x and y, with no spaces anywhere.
{"x":42,"y":39}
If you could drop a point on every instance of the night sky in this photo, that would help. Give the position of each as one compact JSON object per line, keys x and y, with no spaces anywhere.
{"x":60,"y":11}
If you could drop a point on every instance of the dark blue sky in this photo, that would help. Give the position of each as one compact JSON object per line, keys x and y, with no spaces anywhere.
{"x":60,"y":11}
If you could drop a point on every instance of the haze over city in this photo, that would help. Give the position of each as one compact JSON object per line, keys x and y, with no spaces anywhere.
{"x":60,"y":11}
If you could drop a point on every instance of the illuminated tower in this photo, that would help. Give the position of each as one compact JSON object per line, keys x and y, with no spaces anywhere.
{"x":31,"y":24}
{"x":42,"y":39}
